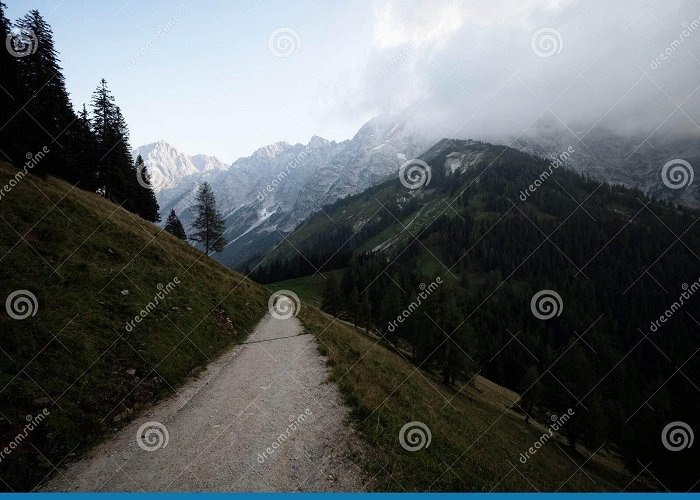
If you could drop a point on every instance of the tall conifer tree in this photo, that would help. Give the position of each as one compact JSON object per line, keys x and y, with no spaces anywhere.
{"x":46,"y":110}
{"x":10,"y":97}
{"x":145,"y":198}
{"x":208,"y":222}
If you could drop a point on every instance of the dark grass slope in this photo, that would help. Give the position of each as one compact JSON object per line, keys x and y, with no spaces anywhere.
{"x":92,"y":267}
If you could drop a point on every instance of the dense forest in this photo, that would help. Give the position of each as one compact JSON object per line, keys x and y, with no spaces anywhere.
{"x":41,"y":133}
{"x":618,"y":261}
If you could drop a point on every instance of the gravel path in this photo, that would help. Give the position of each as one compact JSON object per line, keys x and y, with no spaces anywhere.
{"x":221,"y":425}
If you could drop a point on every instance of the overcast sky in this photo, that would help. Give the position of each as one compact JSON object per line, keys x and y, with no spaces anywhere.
{"x":225,"y":78}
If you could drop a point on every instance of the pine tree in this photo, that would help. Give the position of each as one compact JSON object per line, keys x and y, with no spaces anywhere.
{"x":389,"y":308}
{"x":208,"y":222}
{"x":365,"y":312}
{"x":530,"y":392}
{"x":10,"y":98}
{"x":353,"y":305}
{"x":145,"y":199}
{"x":575,"y":375}
{"x":174,"y":226}
{"x":105,"y":131}
{"x":47,"y":112}
{"x":84,"y":151}
{"x":332,"y":299}
{"x":125,"y":187}
{"x":117,"y":179}
{"x":448,"y":317}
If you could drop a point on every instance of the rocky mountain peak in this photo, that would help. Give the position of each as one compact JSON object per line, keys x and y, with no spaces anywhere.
{"x":271,"y":150}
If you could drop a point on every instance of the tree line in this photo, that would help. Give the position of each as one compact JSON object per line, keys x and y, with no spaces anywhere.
{"x":89,"y":148}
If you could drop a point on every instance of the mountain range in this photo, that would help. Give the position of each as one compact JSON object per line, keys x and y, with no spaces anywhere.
{"x":264,"y":196}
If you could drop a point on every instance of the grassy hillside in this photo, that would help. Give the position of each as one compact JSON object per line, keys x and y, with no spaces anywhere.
{"x":476,"y":439}
{"x":93,"y":267}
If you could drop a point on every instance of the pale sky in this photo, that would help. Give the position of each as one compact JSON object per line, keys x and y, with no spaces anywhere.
{"x":207,"y":77}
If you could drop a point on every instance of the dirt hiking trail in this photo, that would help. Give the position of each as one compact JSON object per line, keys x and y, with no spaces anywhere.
{"x":262,"y":395}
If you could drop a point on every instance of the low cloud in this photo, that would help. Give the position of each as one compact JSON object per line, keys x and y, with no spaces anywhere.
{"x":473,"y":69}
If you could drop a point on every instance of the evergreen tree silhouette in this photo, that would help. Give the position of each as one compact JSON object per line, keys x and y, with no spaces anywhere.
{"x":208,"y":222}
{"x":145,"y":198}
{"x":174,"y":226}
{"x":46,"y":111}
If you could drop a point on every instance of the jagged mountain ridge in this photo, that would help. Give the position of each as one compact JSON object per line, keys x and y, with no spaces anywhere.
{"x":629,"y":160}
{"x":168,"y":166}
{"x":267,"y":194}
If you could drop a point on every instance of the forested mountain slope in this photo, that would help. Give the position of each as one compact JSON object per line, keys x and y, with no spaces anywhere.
{"x":552,"y":285}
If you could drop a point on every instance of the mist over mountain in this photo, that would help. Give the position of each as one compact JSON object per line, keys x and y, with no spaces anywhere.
{"x":631,"y":160}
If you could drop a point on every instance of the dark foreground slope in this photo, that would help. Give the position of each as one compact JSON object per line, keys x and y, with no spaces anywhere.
{"x":93,"y":267}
